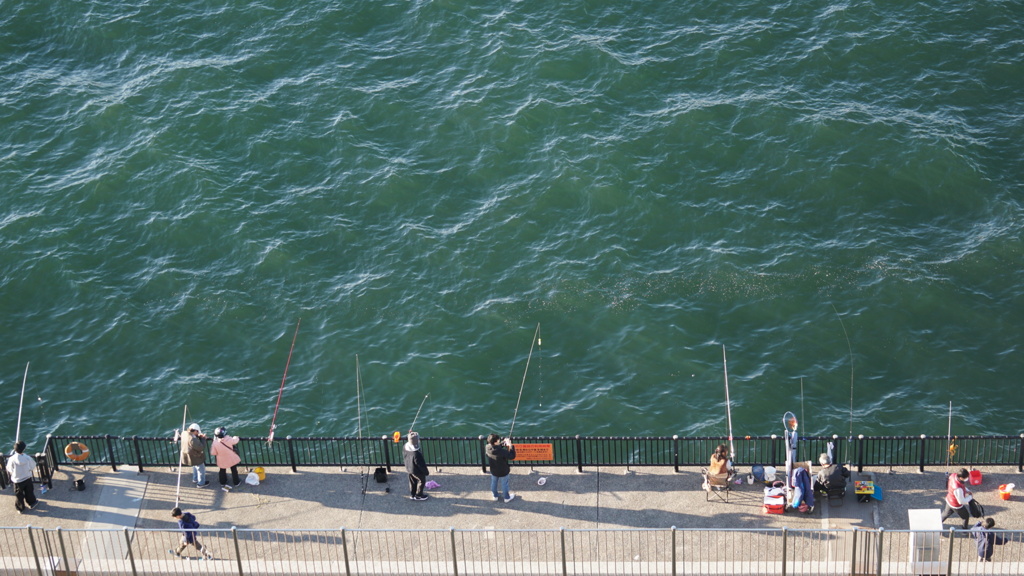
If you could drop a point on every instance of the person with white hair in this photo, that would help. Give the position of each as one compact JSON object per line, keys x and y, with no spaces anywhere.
{"x":831,"y":476}
{"x":193,"y":453}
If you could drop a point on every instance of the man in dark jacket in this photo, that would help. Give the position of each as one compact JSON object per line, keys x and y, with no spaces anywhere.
{"x":416,"y":466}
{"x":831,"y":476}
{"x":499,"y":452}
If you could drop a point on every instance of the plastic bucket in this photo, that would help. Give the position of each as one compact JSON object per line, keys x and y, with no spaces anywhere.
{"x":260,"y":473}
{"x":975,"y":477}
{"x":1005,"y":491}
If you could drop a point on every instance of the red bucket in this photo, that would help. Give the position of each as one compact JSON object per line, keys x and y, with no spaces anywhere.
{"x":975,"y":477}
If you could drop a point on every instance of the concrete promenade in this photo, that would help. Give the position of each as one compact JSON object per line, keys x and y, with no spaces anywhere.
{"x":612,"y":497}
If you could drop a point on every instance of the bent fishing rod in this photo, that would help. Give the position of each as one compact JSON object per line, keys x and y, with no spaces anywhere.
{"x":270,"y":435}
{"x":21,"y":403}
{"x":521,"y":386}
{"x":728,"y":405}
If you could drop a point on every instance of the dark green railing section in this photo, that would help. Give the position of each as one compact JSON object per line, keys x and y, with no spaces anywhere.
{"x":578,"y":451}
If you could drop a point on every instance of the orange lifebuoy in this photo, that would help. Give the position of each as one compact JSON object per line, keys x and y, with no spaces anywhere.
{"x":76,"y":451}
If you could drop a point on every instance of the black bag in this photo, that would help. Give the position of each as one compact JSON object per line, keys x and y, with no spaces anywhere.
{"x":380,"y":475}
{"x":79,"y":484}
{"x":976,"y":510}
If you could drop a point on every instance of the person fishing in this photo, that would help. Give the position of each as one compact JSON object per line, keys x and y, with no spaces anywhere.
{"x":416,"y":466}
{"x":20,"y":466}
{"x":193,"y":453}
{"x":225,"y":451}
{"x":720,"y":462}
{"x":499,"y":452}
{"x":831,"y":476}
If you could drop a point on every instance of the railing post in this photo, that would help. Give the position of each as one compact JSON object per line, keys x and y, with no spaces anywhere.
{"x":853,"y":553}
{"x":131,"y":556}
{"x":565,"y":565}
{"x":860,"y":453}
{"x":35,"y":553}
{"x":238,"y":550}
{"x":949,"y":558}
{"x":49,"y":450}
{"x":110,"y":452}
{"x":291,"y":453}
{"x":387,"y":452}
{"x":138,"y":453}
{"x":344,"y":551}
{"x":63,"y":550}
{"x":675,"y":451}
{"x":785,"y":541}
{"x":455,"y":558}
{"x":579,"y":454}
{"x":878,"y":552}
{"x":673,"y":551}
{"x":923,"y":449}
{"x":483,"y":454}
{"x":1020,"y":460}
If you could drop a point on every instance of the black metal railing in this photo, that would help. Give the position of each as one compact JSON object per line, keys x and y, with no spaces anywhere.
{"x":578,"y":451}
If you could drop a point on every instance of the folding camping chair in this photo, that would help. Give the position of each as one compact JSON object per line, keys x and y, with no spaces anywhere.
{"x":835,"y":496}
{"x":718,"y":484}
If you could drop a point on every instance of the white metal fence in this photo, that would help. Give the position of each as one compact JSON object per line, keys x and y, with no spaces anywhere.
{"x":507,"y":552}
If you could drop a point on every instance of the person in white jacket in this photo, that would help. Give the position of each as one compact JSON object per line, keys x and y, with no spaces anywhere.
{"x":226,"y":454}
{"x":20,"y":466}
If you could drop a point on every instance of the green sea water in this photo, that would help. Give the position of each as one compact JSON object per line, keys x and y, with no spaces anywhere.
{"x":830,"y":190}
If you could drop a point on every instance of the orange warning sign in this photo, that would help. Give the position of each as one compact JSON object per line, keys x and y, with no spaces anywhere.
{"x":535,"y":452}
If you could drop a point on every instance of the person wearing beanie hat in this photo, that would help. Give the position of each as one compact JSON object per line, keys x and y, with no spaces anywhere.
{"x":225,"y":452}
{"x":416,"y":466}
{"x":498,"y":453}
{"x":193,"y":453}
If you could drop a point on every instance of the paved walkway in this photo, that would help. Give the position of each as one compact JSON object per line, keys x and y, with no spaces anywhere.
{"x":597,"y":498}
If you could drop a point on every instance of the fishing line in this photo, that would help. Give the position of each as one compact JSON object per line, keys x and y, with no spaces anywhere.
{"x":17,"y":435}
{"x":270,"y":435}
{"x":728,"y":406}
{"x":802,"y":419}
{"x":850,"y":348}
{"x":516,"y":413}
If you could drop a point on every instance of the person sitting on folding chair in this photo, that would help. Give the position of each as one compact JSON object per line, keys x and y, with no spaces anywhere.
{"x":831,"y":476}
{"x":720,"y":463}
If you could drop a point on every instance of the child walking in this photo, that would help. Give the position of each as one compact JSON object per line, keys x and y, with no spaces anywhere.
{"x":188,"y":524}
{"x":986,"y":539}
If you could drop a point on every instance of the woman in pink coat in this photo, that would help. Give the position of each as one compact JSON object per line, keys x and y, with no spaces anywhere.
{"x":224,"y":451}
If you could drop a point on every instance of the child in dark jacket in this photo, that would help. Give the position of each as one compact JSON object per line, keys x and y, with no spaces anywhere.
{"x":986,"y":540}
{"x":188,"y":524}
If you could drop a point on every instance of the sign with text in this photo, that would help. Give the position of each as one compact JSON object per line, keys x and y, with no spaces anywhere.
{"x":535,"y":452}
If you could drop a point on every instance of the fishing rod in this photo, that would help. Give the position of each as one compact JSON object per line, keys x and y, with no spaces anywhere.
{"x":728,"y":406}
{"x":949,"y":441}
{"x":521,"y":386}
{"x":21,"y":403}
{"x":359,"y":400}
{"x":177,"y":436}
{"x":417,"y":416}
{"x":270,"y":436}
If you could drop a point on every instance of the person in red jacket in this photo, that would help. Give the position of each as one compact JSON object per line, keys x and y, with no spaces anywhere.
{"x":958,"y":495}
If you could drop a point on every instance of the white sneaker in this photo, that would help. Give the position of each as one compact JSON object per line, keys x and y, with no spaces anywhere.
{"x":511,"y":497}
{"x":495,"y":498}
